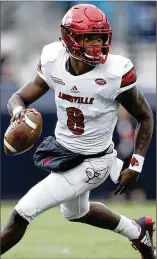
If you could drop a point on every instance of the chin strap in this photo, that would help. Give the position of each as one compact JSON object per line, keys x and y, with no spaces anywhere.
{"x":100,"y":57}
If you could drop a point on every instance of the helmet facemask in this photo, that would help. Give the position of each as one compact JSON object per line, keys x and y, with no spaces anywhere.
{"x":92,"y":55}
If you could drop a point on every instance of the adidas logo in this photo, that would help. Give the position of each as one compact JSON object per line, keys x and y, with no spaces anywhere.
{"x":146,"y":239}
{"x":74,"y":89}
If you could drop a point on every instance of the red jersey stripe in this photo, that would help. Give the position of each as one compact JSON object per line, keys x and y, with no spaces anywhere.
{"x":129,"y":78}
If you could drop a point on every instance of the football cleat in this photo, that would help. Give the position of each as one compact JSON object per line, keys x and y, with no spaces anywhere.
{"x":144,"y":244}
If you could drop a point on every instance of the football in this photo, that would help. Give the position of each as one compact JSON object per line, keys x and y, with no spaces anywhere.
{"x":20,"y":137}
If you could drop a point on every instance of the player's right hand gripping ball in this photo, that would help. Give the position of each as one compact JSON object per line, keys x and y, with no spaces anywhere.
{"x":20,"y":137}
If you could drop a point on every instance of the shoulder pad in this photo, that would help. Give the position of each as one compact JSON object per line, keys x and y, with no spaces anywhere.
{"x":118,"y":65}
{"x":50,"y":52}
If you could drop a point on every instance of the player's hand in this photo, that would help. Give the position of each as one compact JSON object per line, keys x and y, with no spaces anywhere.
{"x":20,"y":116}
{"x":127,"y":179}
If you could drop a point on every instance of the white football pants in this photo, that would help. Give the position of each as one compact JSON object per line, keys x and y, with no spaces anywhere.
{"x":70,"y":189}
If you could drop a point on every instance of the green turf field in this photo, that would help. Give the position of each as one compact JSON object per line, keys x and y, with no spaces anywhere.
{"x":50,"y":236}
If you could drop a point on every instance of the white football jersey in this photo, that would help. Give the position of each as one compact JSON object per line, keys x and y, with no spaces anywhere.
{"x":86,"y":105}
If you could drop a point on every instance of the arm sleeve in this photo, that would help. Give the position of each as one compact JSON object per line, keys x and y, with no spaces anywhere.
{"x":40,"y":71}
{"x":43,"y":67}
{"x":47,"y":61}
{"x":129,"y":79}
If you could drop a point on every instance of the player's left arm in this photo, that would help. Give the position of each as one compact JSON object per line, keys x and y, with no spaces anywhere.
{"x":135,"y":103}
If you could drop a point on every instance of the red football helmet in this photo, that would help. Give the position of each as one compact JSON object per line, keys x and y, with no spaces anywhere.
{"x":84,"y":19}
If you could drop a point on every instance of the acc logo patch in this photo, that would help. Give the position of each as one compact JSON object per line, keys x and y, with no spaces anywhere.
{"x":100,"y":81}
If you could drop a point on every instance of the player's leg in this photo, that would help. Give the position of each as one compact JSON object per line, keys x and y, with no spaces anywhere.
{"x":12,"y":231}
{"x":101,"y":216}
{"x":97,"y":214}
{"x":139,"y":232}
{"x":96,"y":171}
{"x":49,"y":193}
{"x":43,"y":196}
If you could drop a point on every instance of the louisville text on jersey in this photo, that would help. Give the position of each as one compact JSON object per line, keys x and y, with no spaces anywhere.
{"x":76,"y":99}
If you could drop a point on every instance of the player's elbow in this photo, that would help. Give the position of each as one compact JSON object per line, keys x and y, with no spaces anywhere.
{"x":147,"y":116}
{"x":150,"y":118}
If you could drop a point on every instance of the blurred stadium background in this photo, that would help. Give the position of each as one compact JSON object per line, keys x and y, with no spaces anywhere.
{"x":25,"y":28}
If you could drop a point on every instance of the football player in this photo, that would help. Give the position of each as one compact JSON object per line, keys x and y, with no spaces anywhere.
{"x":89,"y":84}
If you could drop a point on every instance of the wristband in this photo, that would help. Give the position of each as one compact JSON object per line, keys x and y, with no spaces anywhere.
{"x":17,"y":109}
{"x":136,"y":163}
